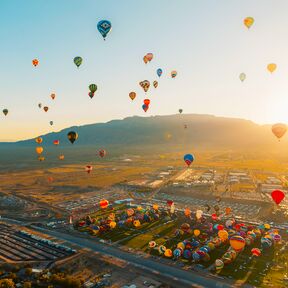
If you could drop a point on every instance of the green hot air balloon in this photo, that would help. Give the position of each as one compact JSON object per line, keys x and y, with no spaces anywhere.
{"x":72,"y":136}
{"x":93,"y":88}
{"x":78,"y":61}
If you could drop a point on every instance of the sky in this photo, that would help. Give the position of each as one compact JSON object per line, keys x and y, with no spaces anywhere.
{"x":205,"y":41}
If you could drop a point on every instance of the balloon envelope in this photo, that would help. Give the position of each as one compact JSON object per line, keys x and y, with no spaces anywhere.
{"x":242,"y":76}
{"x":271,"y":67}
{"x":104,"y":27}
{"x":248,"y":22}
{"x":72,"y":136}
{"x":5,"y":112}
{"x":132,"y":95}
{"x":159,"y":72}
{"x":78,"y":61}
{"x":277,"y":196}
{"x":279,"y":130}
{"x":188,"y":158}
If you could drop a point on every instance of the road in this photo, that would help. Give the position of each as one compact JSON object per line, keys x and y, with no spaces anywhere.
{"x":188,"y":279}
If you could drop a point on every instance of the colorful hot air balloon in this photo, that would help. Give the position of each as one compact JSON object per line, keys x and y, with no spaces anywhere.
{"x":39,"y":150}
{"x":145,"y":107}
{"x":56,"y":142}
{"x":78,"y":61}
{"x":39,"y":140}
{"x":93,"y":88}
{"x":223,"y":235}
{"x":271,"y":67}
{"x":146,"y":102}
{"x":88,"y":169}
{"x":237,"y":243}
{"x":279,"y":130}
{"x":219,"y":265}
{"x":53,"y":96}
{"x":104,"y":203}
{"x":35,"y":62}
{"x":168,"y":253}
{"x":256,"y":252}
{"x":145,"y":85}
{"x":277,"y":196}
{"x":102,"y":153}
{"x":72,"y":136}
{"x":132,"y":95}
{"x":104,"y":27}
{"x":248,"y":22}
{"x":242,"y":77}
{"x":188,"y":158}
{"x":5,"y":112}
{"x":159,"y":72}
{"x":149,"y":56}
{"x":46,"y":108}
{"x":155,"y":84}
{"x":145,"y":59}
{"x":173,"y":73}
{"x":152,"y":244}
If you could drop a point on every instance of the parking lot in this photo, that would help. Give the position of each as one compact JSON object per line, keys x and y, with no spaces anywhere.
{"x":17,"y":245}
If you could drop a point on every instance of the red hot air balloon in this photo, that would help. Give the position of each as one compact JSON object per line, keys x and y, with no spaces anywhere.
{"x":56,"y":142}
{"x":46,"y":108}
{"x":103,"y":204}
{"x":102,"y":153}
{"x":277,"y":196}
{"x":146,"y":102}
{"x":170,"y":203}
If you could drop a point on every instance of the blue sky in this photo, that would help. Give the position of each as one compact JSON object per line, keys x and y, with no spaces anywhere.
{"x":205,"y":41}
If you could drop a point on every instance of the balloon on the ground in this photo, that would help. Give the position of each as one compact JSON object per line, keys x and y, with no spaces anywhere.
{"x":104,"y":204}
{"x":237,"y":242}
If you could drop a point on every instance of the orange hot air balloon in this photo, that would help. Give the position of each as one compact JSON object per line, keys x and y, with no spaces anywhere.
{"x":61,"y":157}
{"x":56,"y":142}
{"x":155,"y":207}
{"x":35,"y":62}
{"x":39,"y":140}
{"x":39,"y":150}
{"x":149,"y":56}
{"x":228,"y":210}
{"x":53,"y":95}
{"x":50,"y":179}
{"x":145,"y":59}
{"x":237,"y":243}
{"x":248,"y":22}
{"x":46,"y":108}
{"x":103,"y":204}
{"x":146,"y":102}
{"x":187,"y":212}
{"x":279,"y":130}
{"x":271,"y":67}
{"x":132,"y":95}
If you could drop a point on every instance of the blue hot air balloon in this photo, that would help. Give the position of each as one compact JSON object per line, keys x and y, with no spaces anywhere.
{"x":104,"y":27}
{"x":159,"y":72}
{"x":188,"y":158}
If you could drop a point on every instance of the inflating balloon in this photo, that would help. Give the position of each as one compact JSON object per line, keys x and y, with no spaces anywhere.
{"x":35,"y":62}
{"x":132,"y":95}
{"x":277,"y":196}
{"x":5,"y":112}
{"x":248,"y":22}
{"x":72,"y":136}
{"x":77,"y":61}
{"x":271,"y":67}
{"x":256,"y":252}
{"x":237,"y":243}
{"x":188,"y":158}
{"x":103,"y":204}
{"x":279,"y":130}
{"x":159,"y":72}
{"x":104,"y":27}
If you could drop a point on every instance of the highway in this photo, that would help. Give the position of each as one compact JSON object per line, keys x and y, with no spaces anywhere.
{"x":186,"y":278}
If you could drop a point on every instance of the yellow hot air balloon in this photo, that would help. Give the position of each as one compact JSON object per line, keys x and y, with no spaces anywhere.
{"x":39,"y":150}
{"x":271,"y":67}
{"x":242,"y":77}
{"x":112,"y":224}
{"x":136,"y":223}
{"x":155,"y":207}
{"x":279,"y":130}
{"x":223,"y":235}
{"x":248,"y":22}
{"x":197,"y":232}
{"x":39,"y":140}
{"x":168,"y":253}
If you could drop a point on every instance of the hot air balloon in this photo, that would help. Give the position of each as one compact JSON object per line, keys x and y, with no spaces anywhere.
{"x":93,"y":88}
{"x":199,"y":214}
{"x":161,"y":249}
{"x":152,"y":244}
{"x":132,"y":95}
{"x":248,"y":22}
{"x":53,"y":96}
{"x":277,"y":196}
{"x":78,"y":61}
{"x":168,"y":253}
{"x":173,"y":73}
{"x":35,"y":62}
{"x":51,"y":123}
{"x":103,"y":204}
{"x":112,"y":224}
{"x":237,"y":243}
{"x":228,"y":210}
{"x":41,"y":158}
{"x":180,"y":111}
{"x":39,"y":150}
{"x":56,"y":142}
{"x":159,"y":72}
{"x":72,"y":136}
{"x":187,"y":212}
{"x":145,"y":85}
{"x":149,"y":56}
{"x":145,"y":59}
{"x":5,"y":112}
{"x":242,"y":77}
{"x":188,"y":158}
{"x":223,"y":235}
{"x":218,"y":265}
{"x":196,"y":232}
{"x":145,"y":107}
{"x":155,"y":84}
{"x":46,"y":108}
{"x":146,"y":102}
{"x":88,"y":169}
{"x":104,"y":27}
{"x":40,"y":105}
{"x":256,"y":252}
{"x":61,"y":157}
{"x":102,"y":153}
{"x":271,"y":67}
{"x":279,"y":130}
{"x":39,"y":140}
